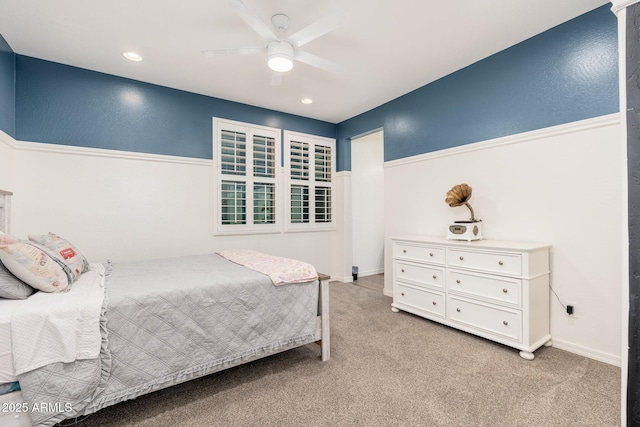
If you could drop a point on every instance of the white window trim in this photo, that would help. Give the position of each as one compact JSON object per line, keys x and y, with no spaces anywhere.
{"x":5,"y":211}
{"x":248,"y":228}
{"x":312,"y":140}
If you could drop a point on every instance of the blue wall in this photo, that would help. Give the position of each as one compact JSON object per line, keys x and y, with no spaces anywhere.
{"x":59,"y":104}
{"x":565,"y":74}
{"x":7,"y":88}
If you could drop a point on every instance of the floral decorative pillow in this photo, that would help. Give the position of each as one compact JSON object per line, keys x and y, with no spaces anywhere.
{"x":65,"y":252}
{"x":34,"y":266}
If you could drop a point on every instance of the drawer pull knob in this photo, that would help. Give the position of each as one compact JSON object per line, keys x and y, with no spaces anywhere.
{"x":404,"y":251}
{"x":458,"y":281}
{"x":430,"y":253}
{"x":500,"y":263}
{"x":434,"y":303}
{"x":458,"y":310}
{"x":435,"y":277}
{"x":461,"y":258}
{"x":402,"y":270}
{"x":402,"y":293}
{"x":505,"y":323}
{"x":505,"y":290}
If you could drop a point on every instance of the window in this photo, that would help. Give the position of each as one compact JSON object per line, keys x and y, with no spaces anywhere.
{"x":247,"y":166}
{"x":310,"y":170}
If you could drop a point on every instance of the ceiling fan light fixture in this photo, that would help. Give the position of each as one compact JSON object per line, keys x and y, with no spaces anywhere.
{"x":280,"y":63}
{"x":280,"y":56}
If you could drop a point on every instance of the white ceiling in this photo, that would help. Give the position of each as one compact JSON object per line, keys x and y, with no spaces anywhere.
{"x":389,"y":47}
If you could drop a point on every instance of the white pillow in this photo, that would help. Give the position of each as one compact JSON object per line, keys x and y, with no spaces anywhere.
{"x":65,"y":253}
{"x":34,"y":266}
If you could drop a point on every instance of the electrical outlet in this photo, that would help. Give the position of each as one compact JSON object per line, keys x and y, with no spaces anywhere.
{"x":574,"y":312}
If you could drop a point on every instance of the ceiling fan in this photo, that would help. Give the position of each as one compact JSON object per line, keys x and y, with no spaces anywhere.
{"x":282,"y":50}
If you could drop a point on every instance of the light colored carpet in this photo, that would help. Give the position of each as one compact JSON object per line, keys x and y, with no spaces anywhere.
{"x":388,"y":369}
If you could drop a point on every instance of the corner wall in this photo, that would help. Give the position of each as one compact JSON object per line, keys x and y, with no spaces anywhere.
{"x":565,"y":74}
{"x":7,"y":162}
{"x":560,"y":185}
{"x":64,"y":105}
{"x":367,"y":203}
{"x":124,"y":206}
{"x":7,"y":88}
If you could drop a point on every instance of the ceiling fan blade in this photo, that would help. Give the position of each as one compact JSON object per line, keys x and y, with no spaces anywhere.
{"x":276,"y":79}
{"x":318,"y":62}
{"x":318,"y":28}
{"x":231,"y":52}
{"x":253,"y":21}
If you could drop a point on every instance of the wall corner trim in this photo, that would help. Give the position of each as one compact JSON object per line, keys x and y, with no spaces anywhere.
{"x":618,"y":5}
{"x":582,"y":125}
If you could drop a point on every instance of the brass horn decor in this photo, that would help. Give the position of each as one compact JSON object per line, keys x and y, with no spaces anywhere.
{"x":459,"y":195}
{"x":463,"y":230}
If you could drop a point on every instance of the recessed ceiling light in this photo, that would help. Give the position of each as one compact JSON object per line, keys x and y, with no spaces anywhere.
{"x":306,"y":100}
{"x":132,"y":56}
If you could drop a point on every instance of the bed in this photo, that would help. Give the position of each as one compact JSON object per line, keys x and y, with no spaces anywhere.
{"x":160,"y":323}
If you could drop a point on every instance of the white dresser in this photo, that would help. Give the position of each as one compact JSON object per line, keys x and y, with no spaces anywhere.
{"x":498,"y":290}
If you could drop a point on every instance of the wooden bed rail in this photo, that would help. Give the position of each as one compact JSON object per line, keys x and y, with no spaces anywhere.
{"x":325,"y":341}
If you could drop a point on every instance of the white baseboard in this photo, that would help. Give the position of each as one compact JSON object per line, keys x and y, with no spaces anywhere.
{"x":349,"y":279}
{"x":370,"y":272}
{"x":586,"y":352}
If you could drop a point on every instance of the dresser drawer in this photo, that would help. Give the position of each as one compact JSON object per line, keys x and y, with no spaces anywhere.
{"x":495,"y":320}
{"x":494,"y":262}
{"x":432,"y":254}
{"x":423,"y":299}
{"x":419,"y":274}
{"x":497,"y":289}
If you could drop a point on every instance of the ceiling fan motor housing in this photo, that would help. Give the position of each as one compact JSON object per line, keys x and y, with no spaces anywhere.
{"x":280,"y":55}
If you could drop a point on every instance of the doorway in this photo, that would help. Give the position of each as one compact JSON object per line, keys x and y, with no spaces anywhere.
{"x":367,"y":209}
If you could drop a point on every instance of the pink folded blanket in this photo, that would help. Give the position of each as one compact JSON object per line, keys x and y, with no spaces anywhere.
{"x":281,"y":270}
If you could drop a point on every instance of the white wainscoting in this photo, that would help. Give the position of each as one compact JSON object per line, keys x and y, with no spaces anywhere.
{"x":129,"y":206}
{"x":561,"y":185}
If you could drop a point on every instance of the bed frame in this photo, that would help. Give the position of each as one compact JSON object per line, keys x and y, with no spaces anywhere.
{"x":321,"y":337}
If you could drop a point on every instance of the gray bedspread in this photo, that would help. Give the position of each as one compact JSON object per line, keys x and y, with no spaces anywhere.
{"x":168,"y":321}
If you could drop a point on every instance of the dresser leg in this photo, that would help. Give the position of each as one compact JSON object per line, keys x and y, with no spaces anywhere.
{"x":526,"y":355}
{"x":395,"y":310}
